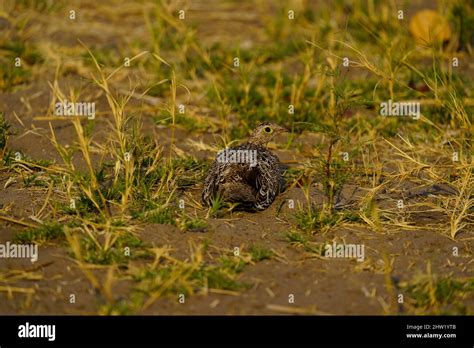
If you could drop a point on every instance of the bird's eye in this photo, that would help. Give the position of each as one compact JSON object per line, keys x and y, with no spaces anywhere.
{"x":268,"y":129}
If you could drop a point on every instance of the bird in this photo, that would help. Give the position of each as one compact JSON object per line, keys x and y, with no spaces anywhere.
{"x":248,"y":174}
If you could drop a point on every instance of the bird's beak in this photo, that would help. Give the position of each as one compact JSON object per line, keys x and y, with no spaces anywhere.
{"x":282,"y":130}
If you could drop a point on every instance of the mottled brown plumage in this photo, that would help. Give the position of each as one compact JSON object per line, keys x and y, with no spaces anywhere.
{"x":253,"y":184}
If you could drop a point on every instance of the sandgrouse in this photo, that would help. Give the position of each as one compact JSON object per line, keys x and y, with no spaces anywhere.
{"x":248,"y":174}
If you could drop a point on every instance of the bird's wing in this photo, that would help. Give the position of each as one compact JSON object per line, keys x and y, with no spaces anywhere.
{"x":267,"y":180}
{"x":219,"y":174}
{"x":211,"y":183}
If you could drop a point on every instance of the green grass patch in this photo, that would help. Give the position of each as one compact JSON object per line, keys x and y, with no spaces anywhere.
{"x":186,"y":223}
{"x":260,"y":253}
{"x":125,"y":248}
{"x":444,"y":295}
{"x":39,"y":235}
{"x":298,"y":239}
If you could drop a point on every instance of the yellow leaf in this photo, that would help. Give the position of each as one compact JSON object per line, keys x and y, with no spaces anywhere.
{"x":427,"y":27}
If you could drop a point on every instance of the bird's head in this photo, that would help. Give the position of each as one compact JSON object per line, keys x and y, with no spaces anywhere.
{"x":265,"y":132}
